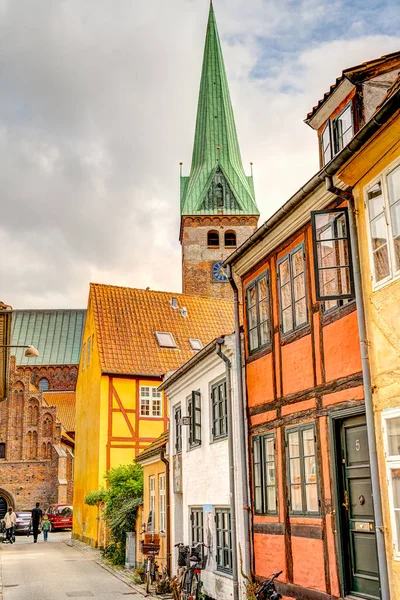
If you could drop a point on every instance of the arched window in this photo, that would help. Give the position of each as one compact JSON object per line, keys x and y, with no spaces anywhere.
{"x":213,"y":238}
{"x":230,"y":238}
{"x":33,"y":412}
{"x":34,"y":445}
{"x":43,"y":384}
{"x":47,"y":426}
{"x":49,"y":446}
{"x":44,"y":450}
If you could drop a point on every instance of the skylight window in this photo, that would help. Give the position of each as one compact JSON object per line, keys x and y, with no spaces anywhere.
{"x":165,"y":339}
{"x":195,"y":344}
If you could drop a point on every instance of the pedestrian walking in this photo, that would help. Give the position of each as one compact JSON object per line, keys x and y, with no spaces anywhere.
{"x":10,"y":519}
{"x":36,"y":518}
{"x":46,"y":527}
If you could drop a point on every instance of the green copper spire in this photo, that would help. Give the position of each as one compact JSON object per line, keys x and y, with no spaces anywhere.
{"x":217,"y":183}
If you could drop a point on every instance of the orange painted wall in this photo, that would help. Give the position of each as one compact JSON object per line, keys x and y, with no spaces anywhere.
{"x":269,"y":554}
{"x":297,"y":366}
{"x":306,"y":573}
{"x":342,"y":348}
{"x":260,"y":381}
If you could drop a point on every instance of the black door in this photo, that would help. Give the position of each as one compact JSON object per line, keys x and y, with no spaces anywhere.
{"x":3,"y":507}
{"x":357,"y":515}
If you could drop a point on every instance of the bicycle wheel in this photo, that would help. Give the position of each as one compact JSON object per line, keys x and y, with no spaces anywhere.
{"x":184,"y":591}
{"x":194,"y":587}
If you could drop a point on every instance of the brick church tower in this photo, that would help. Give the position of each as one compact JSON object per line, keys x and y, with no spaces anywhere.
{"x":218,"y":207}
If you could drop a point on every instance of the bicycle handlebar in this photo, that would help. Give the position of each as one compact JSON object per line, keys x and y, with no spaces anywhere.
{"x":275,"y":575}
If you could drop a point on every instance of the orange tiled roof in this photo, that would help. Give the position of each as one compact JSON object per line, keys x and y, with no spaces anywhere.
{"x":126,"y":320}
{"x":153,"y":448}
{"x":65,"y":402}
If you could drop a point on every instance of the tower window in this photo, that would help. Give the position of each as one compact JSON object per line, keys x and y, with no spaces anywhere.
{"x":213,"y":238}
{"x":43,"y":384}
{"x":230,"y":238}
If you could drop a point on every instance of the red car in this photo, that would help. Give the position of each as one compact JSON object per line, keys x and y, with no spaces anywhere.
{"x":60,"y":516}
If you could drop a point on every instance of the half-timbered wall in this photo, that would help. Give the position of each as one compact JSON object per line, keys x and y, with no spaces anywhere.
{"x":297,"y":379}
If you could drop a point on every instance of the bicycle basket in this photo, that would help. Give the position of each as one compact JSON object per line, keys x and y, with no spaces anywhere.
{"x":150,"y":548}
{"x":183,"y":556}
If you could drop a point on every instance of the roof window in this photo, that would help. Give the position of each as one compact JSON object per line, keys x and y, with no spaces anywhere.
{"x":195,"y":344}
{"x":174,"y":302}
{"x":184,"y":312}
{"x":165,"y":339}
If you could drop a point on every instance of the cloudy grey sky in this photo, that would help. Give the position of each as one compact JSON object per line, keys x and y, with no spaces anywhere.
{"x":97,"y":107}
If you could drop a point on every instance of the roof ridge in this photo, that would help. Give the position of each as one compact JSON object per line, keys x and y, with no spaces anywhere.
{"x":123,"y":287}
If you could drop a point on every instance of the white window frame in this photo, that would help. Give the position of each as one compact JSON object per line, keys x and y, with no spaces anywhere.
{"x":392,"y":462}
{"x":152,"y":500}
{"x":393,"y":275}
{"x":161,"y":494}
{"x":152,"y":403}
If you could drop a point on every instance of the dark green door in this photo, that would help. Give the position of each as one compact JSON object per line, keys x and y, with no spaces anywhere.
{"x":361,"y":564}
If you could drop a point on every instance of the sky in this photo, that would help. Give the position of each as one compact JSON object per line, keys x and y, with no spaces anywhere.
{"x":98,"y":103}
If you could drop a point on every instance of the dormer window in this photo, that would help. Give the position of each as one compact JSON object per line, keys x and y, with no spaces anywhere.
{"x":326,"y":144}
{"x":213,"y":238}
{"x":165,"y":339}
{"x":195,"y":344}
{"x":343,"y":128}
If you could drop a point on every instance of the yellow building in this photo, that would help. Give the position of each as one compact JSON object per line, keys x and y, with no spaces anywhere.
{"x":153,"y":516}
{"x":131,"y":338}
{"x":374,"y":176}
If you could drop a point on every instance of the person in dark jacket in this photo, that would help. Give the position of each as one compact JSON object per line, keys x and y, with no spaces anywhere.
{"x":36,"y":518}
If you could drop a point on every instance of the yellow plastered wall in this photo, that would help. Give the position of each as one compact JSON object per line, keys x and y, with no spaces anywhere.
{"x":382,"y":310}
{"x":155,"y":469}
{"x":89,"y":430}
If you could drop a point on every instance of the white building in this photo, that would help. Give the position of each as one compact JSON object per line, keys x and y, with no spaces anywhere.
{"x":199,"y":458}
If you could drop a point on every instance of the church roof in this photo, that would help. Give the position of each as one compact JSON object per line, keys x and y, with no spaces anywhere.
{"x":216,"y":146}
{"x":65,"y":402}
{"x":57,"y":335}
{"x":127,"y":320}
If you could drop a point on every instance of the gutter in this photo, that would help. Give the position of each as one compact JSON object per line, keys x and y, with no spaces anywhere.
{"x":168,"y":509}
{"x":232,"y":494}
{"x":388,"y":109}
{"x":369,"y":406}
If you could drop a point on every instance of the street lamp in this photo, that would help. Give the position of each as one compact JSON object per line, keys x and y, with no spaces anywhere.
{"x":29,"y":352}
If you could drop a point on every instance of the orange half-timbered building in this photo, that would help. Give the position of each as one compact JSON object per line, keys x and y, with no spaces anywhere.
{"x":131,"y":339}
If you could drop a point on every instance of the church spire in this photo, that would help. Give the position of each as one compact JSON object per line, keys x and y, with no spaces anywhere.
{"x":217,"y":182}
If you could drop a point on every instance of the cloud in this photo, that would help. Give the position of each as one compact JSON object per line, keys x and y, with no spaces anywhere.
{"x":97,"y":108}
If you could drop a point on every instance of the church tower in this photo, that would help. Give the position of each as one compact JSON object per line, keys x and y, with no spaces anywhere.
{"x":218,"y":207}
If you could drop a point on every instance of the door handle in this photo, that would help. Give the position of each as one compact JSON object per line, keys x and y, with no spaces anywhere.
{"x":346,"y":500}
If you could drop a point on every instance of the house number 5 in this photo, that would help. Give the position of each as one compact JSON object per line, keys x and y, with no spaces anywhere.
{"x":358,"y":446}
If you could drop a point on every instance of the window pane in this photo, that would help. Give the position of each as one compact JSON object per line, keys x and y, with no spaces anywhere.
{"x":295,"y":476}
{"x":253,"y":339}
{"x":297,"y":262}
{"x":310,"y":469}
{"x":299,"y":287}
{"x":378,"y":232}
{"x":270,"y":471}
{"x":252,"y":313}
{"x":264,"y":310}
{"x":396,"y":488}
{"x":312,"y":498}
{"x":301,"y":312}
{"x":308,"y":442}
{"x":393,"y":181}
{"x":271,"y":498}
{"x":381,"y":263}
{"x":257,"y":499}
{"x":251,"y":296}
{"x":286,"y":295}
{"x":270,"y":451}
{"x":375,"y":201}
{"x":293,"y":442}
{"x":395,"y":216}
{"x":295,"y":497}
{"x":284,"y":272}
{"x":262,"y":288}
{"x":264,"y":333}
{"x":393,"y":433}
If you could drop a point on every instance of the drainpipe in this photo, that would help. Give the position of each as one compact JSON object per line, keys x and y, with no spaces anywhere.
{"x":228,"y":369}
{"x":369,"y":408}
{"x":168,"y":509}
{"x":242,"y":418}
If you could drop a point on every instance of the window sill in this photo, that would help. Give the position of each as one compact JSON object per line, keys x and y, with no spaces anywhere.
{"x":256,"y":354}
{"x":227,"y":574}
{"x":221,"y":438}
{"x":293,"y":336}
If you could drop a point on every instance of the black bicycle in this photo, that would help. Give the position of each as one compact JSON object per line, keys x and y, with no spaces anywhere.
{"x":191,"y":561}
{"x":267,"y":590}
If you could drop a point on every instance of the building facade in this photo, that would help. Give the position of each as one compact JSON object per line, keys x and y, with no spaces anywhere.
{"x":37,"y":429}
{"x":131,"y":338}
{"x":218,"y":207}
{"x":200,"y":469}
{"x":305,"y":391}
{"x":374,"y":176}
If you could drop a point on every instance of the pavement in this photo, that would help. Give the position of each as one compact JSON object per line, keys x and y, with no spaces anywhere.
{"x":59,"y":569}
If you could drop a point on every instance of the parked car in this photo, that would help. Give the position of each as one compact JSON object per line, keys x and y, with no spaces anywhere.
{"x":60,"y":516}
{"x":23,"y":518}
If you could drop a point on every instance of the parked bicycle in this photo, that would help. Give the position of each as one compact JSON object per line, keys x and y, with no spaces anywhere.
{"x":191,"y":561}
{"x":267,"y":590}
{"x":150,"y":547}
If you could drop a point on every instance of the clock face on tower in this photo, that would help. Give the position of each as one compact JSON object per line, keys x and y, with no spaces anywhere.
{"x":218,"y":273}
